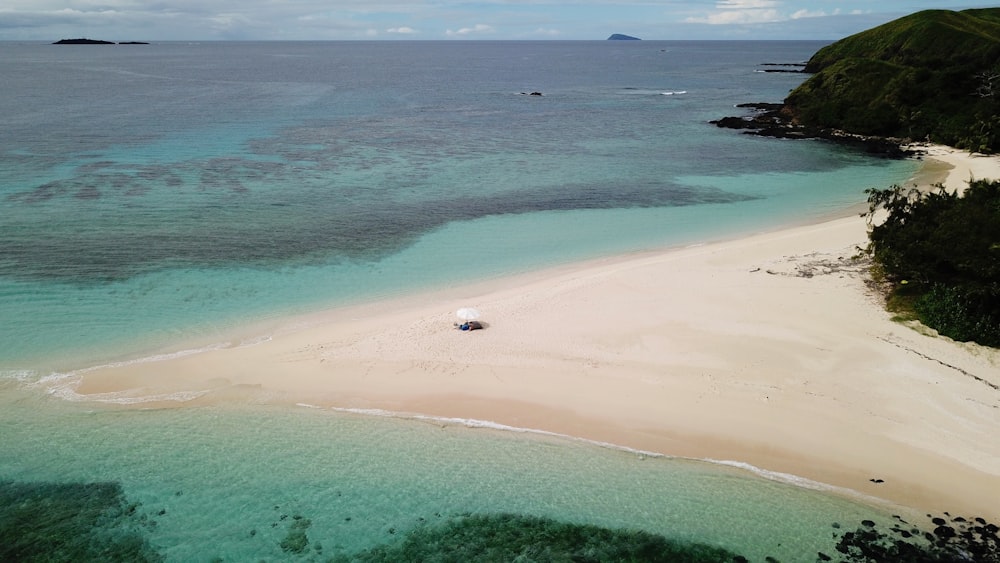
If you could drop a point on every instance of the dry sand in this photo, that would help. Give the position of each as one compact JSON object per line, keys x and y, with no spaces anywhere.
{"x":769,"y":350}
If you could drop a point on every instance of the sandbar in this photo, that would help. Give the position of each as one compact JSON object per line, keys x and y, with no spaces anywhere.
{"x":771,"y":350}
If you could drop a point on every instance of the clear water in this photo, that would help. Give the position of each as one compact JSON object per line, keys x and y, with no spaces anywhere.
{"x":226,"y":481}
{"x":179,"y":189}
{"x":170,"y":192}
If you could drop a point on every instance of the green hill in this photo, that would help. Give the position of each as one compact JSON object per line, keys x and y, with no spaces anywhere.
{"x":931,"y":75}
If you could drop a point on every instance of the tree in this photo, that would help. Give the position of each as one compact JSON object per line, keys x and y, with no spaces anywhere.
{"x":940,"y":252}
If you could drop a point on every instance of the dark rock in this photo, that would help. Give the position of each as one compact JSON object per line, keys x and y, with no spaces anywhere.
{"x":786,"y":67}
{"x":622,"y":37}
{"x":773,"y":120}
{"x":944,"y":532}
{"x":736,"y":123}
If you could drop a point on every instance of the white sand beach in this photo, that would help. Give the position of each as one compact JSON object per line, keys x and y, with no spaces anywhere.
{"x":769,"y":350}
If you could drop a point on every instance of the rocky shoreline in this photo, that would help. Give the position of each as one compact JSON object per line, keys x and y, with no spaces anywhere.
{"x":774,"y":120}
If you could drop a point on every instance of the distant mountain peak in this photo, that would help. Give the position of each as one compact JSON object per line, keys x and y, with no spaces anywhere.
{"x":622,"y":37}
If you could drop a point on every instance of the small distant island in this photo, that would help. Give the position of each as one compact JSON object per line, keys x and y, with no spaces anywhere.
{"x":622,"y":37}
{"x":85,"y":41}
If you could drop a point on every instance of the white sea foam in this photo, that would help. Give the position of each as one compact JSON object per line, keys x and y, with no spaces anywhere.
{"x":777,"y":476}
{"x":57,"y":377}
{"x":798,"y":481}
{"x":22,"y":375}
{"x":651,"y":92}
{"x":154,"y":358}
{"x":64,"y":384}
{"x":774,"y":475}
{"x":125,"y":399}
{"x":490,"y":425}
{"x":255,"y":341}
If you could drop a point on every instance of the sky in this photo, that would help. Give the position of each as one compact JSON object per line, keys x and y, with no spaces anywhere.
{"x":205,"y":20}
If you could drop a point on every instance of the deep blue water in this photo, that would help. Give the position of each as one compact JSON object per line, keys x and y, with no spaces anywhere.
{"x":170,"y":192}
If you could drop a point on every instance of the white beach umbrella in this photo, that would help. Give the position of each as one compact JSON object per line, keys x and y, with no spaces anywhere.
{"x":467,"y":313}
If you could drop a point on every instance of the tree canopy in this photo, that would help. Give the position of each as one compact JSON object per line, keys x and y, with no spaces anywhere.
{"x":941,"y":253}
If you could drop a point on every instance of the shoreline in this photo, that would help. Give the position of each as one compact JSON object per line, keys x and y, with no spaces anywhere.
{"x":767,"y":350}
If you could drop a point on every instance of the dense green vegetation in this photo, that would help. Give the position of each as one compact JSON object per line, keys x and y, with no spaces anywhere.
{"x":933,"y":75}
{"x":941,"y":254}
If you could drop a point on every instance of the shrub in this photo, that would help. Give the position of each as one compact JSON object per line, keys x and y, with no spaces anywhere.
{"x":941,"y":253}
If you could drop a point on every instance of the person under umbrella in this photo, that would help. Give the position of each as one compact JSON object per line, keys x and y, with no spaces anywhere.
{"x":470,"y":317}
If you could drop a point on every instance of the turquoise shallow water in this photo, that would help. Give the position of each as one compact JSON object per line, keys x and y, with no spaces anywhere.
{"x":228,"y":481}
{"x":183,"y":190}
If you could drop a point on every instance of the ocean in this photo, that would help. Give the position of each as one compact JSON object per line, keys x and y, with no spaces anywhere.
{"x":173,"y":192}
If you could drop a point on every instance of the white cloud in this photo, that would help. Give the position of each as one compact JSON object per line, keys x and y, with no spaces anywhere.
{"x":745,"y":4}
{"x":748,"y":12}
{"x":730,"y":17}
{"x":404,"y":30}
{"x":227,"y":20}
{"x":474,"y":30}
{"x":737,"y":12}
{"x":807,"y":14}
